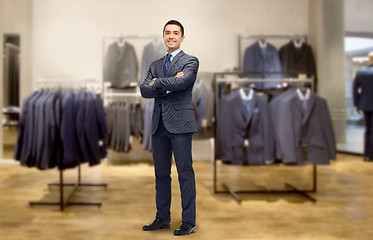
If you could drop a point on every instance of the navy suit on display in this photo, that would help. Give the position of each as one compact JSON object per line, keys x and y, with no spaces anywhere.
{"x":258,"y":59}
{"x":173,"y":123}
{"x":304,"y":122}
{"x":363,"y":100}
{"x":239,"y":121}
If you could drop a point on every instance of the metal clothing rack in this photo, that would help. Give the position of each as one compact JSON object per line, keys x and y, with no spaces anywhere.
{"x":290,"y":189}
{"x":66,"y":200}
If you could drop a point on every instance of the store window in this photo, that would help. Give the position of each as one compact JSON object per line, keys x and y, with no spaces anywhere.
{"x":356,"y":53}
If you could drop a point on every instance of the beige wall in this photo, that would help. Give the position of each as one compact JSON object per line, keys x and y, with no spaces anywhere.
{"x":358,"y":16}
{"x":68,"y":35}
{"x":327,"y":38}
{"x":16,"y":19}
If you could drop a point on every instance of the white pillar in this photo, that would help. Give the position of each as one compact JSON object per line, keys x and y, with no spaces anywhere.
{"x":326,"y":36}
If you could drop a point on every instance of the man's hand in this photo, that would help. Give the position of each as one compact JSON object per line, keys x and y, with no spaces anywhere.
{"x":180,"y":74}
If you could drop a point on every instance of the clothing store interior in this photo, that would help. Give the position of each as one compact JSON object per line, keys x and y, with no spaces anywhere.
{"x":283,"y":103}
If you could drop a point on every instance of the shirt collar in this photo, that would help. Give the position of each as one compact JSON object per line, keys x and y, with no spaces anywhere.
{"x":248,"y":96}
{"x":306,"y":96}
{"x":174,"y":53}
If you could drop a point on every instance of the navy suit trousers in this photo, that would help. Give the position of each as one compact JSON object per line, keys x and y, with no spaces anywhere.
{"x":368,"y":138}
{"x":164,"y":143}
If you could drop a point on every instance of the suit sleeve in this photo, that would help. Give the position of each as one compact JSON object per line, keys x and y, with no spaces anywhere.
{"x":225,"y":130}
{"x":148,"y":91}
{"x":286,"y":132}
{"x":355,"y":90}
{"x":174,"y":84}
{"x":328,"y":130}
{"x":268,"y":132}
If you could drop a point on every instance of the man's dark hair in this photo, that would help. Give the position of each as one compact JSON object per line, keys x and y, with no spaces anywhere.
{"x":174,"y":22}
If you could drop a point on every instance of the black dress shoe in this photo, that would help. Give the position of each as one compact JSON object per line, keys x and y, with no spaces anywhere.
{"x":157,"y":224}
{"x":185,"y":229}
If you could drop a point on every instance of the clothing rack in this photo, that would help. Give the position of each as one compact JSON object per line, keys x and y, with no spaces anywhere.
{"x":66,"y":200}
{"x":265,"y":36}
{"x":290,"y":189}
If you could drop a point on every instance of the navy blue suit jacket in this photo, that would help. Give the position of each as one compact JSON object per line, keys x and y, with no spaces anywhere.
{"x":363,"y":99}
{"x":257,"y":59}
{"x":235,"y":125}
{"x":176,"y":106}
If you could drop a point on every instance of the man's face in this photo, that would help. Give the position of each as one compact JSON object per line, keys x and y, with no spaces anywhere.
{"x":172,"y":37}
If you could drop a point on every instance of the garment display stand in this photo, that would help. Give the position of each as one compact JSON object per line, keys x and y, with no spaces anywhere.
{"x":66,"y":200}
{"x":290,"y":189}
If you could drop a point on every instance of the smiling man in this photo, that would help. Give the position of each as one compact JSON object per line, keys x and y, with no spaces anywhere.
{"x":170,"y":82}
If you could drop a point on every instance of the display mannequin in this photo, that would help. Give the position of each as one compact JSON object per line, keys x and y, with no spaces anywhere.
{"x":363,"y":100}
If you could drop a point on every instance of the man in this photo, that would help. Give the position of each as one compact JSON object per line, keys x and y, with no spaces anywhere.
{"x":170,"y":82}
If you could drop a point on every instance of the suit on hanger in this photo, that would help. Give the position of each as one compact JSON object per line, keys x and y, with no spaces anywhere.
{"x":81,"y":119}
{"x":273,"y":109}
{"x":68,"y":132}
{"x":298,"y":60}
{"x":310,"y":126}
{"x":121,"y":66}
{"x":173,"y":123}
{"x":50,"y":129}
{"x":258,"y":59}
{"x":147,"y":116}
{"x":203,"y":103}
{"x":27,"y":149}
{"x":21,"y":126}
{"x":236,"y":124}
{"x":91,"y":131}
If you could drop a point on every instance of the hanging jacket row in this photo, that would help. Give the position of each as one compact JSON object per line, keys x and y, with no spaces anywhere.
{"x":61,"y":128}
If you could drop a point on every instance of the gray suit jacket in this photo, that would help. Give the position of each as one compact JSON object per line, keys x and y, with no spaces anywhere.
{"x":235,"y":125}
{"x":121,"y":67}
{"x":176,"y":106}
{"x":311,"y":126}
{"x":147,"y":116}
{"x":204,"y":91}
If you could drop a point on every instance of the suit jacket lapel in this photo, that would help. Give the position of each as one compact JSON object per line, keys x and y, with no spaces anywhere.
{"x":174,"y":61}
{"x":310,"y":103}
{"x":252,"y":108}
{"x":239,"y":103}
{"x":298,"y":52}
{"x":160,"y":69}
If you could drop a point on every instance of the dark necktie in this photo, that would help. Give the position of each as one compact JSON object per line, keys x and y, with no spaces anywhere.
{"x":167,"y":63}
{"x":247,"y":105}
